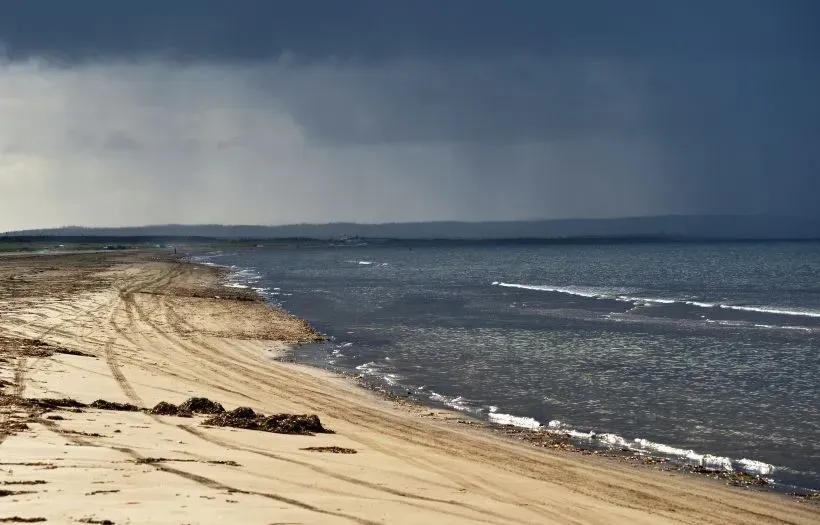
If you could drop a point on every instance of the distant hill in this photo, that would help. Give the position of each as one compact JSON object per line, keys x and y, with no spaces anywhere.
{"x":672,"y":227}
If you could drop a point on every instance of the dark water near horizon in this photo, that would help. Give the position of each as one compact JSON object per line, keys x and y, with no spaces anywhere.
{"x":709,"y":353}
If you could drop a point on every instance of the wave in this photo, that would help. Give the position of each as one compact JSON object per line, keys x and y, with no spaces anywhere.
{"x":240,"y":278}
{"x":366,"y":263}
{"x":622,"y":294}
{"x":508,"y":419}
{"x":459,"y":403}
{"x":637,"y":445}
{"x":385,"y":372}
{"x":773,"y":310}
{"x":581,"y":291}
{"x":640,"y":445}
{"x":373,"y":369}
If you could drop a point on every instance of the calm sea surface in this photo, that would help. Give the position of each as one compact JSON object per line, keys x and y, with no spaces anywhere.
{"x":709,"y":353}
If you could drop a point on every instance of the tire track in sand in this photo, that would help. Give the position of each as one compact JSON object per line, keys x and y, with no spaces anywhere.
{"x":125,"y":386}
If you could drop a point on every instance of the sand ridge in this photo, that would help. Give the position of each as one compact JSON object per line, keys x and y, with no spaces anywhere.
{"x":144,"y":329}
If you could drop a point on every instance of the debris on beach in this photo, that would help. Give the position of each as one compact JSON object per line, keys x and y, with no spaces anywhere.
{"x":332,"y":450}
{"x":806,"y":496}
{"x":102,"y":404}
{"x":539,"y":438}
{"x":95,"y":492}
{"x":163,"y":408}
{"x":4,"y":493}
{"x":201,"y":405}
{"x":152,"y":461}
{"x":734,"y":478}
{"x":18,"y":519}
{"x":246,"y":418}
{"x":51,"y":403}
{"x":194,"y":405}
{"x":35,"y":348}
{"x":12,"y":427}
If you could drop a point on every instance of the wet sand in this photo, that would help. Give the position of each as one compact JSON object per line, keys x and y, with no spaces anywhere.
{"x":139,"y":329}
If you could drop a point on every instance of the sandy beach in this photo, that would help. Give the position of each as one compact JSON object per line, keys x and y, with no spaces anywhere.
{"x":140,"y":329}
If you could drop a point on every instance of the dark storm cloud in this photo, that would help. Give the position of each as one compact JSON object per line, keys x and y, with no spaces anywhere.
{"x":254,"y":29}
{"x":236,"y":111}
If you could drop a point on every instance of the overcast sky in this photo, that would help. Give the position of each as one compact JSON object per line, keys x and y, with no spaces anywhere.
{"x":266,"y":112}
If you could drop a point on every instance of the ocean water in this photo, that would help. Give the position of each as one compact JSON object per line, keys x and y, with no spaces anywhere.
{"x":708,"y":353}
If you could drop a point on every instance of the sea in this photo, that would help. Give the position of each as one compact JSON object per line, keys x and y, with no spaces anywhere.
{"x":705,"y":353}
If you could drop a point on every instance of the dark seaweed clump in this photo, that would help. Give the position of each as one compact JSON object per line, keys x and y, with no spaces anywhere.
{"x":201,"y":405}
{"x":246,"y":418}
{"x":102,"y":404}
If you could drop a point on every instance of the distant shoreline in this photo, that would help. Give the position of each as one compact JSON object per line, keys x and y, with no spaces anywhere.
{"x":655,"y":228}
{"x":64,"y":244}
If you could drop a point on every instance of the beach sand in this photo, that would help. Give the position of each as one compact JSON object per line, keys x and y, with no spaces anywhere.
{"x":139,"y":329}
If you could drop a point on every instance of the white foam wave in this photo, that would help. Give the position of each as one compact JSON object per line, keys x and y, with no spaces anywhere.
{"x":784,"y":327}
{"x":391,"y":379}
{"x":773,"y":310}
{"x":368,"y":368}
{"x":752,"y":465}
{"x":620,"y":294}
{"x":581,"y":291}
{"x":458,"y":403}
{"x":516,"y":421}
{"x":640,"y":445}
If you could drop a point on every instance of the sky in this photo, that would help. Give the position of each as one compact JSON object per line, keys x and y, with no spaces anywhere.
{"x":269,"y":112}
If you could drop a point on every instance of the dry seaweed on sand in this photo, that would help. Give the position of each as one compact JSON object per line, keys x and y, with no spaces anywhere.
{"x":49,"y":403}
{"x":4,"y":493}
{"x":201,"y":405}
{"x":152,"y":461}
{"x":10,"y":427}
{"x":52,"y":403}
{"x":246,"y":418}
{"x":102,"y":404}
{"x":331,"y":450}
{"x":19,"y":519}
{"x":739,"y":479}
{"x":806,"y":496}
{"x":194,"y":405}
{"x":164,"y":408}
{"x":35,"y":348}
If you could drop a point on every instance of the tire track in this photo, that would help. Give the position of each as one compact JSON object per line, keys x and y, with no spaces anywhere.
{"x":218,"y":485}
{"x":202,"y":480}
{"x":348,"y":479}
{"x":123,"y":383}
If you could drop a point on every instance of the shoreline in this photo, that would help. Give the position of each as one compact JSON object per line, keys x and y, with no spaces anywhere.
{"x":605,"y":445}
{"x":154,"y":330}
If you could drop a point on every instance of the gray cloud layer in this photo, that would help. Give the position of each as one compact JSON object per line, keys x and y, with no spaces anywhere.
{"x":607,"y":115}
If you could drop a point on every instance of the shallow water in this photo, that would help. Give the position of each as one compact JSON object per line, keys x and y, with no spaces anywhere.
{"x":708,"y":352}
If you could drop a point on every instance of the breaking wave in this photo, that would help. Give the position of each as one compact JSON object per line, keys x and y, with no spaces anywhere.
{"x":646,"y":446}
{"x":624,"y":295}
